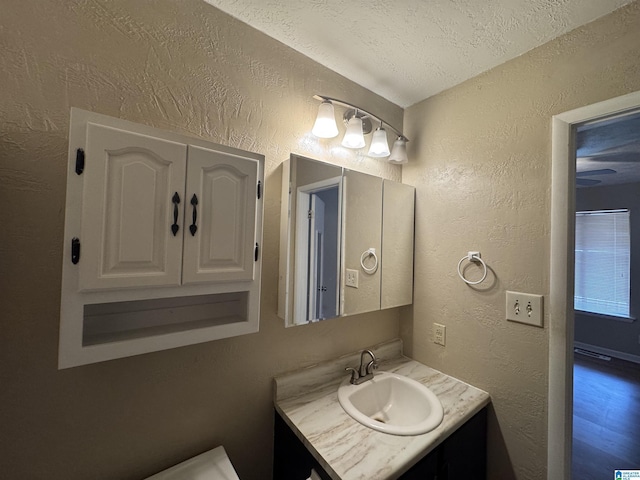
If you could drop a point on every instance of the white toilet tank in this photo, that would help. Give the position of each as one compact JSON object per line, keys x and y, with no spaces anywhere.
{"x":211,"y":465}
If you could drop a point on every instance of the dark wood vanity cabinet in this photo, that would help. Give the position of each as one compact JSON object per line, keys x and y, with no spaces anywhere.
{"x":291,"y":459}
{"x":462,"y":455}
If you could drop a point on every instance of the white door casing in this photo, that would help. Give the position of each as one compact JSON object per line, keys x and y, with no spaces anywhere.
{"x":316,"y":251}
{"x":561,"y":331}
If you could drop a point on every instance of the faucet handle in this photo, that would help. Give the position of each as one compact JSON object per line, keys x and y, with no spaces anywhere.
{"x":354,"y":374}
{"x":371,"y":366}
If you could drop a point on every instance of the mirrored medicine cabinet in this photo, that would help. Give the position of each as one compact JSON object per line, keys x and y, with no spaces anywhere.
{"x":346,"y":242}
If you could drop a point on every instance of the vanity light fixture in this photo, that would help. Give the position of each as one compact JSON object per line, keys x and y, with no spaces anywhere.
{"x":379,"y":147}
{"x":325,"y":126}
{"x":359,"y":123}
{"x":354,"y":138}
{"x":399,"y":151}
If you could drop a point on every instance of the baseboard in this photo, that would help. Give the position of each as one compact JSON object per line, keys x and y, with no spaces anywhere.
{"x":607,"y":351}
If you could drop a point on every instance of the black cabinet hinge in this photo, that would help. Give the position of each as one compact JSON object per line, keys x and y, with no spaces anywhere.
{"x":257,"y":250}
{"x":259,"y":189}
{"x":79,"y":161}
{"x":75,"y":250}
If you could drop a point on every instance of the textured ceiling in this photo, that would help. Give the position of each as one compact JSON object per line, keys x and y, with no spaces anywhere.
{"x":408,"y":50}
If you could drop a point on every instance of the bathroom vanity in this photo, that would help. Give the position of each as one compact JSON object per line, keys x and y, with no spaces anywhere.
{"x":312,"y":430}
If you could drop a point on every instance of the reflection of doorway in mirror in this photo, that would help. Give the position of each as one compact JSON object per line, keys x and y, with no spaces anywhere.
{"x":317,"y":251}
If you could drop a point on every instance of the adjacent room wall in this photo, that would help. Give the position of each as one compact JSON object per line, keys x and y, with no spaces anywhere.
{"x":608,"y":333}
{"x":481,"y":164}
{"x":181,"y":66}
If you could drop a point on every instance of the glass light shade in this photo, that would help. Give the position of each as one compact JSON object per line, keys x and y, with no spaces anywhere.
{"x":379,"y":147}
{"x":399,"y":152}
{"x":325,"y":126}
{"x":354,"y":137}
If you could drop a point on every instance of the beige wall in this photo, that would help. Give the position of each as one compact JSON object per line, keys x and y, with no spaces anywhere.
{"x":481,"y":164}
{"x":181,"y":66}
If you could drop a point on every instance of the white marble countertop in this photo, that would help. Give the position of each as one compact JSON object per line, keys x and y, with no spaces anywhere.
{"x":307,"y":400}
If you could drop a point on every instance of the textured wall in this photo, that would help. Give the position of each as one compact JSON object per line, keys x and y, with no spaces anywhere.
{"x":612,"y":334}
{"x":181,"y":66}
{"x":481,"y":164}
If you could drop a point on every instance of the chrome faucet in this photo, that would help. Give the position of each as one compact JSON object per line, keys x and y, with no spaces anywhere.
{"x":365,"y":371}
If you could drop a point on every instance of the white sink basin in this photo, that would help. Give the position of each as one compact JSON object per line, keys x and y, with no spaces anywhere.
{"x":392,"y":403}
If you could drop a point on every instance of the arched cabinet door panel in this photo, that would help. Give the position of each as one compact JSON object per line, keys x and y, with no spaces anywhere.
{"x":128,"y":207}
{"x":220,"y":241}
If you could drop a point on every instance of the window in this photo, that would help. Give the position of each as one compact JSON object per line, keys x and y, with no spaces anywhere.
{"x":602,"y":262}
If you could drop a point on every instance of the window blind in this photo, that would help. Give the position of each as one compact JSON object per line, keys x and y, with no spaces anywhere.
{"x":602,"y":262}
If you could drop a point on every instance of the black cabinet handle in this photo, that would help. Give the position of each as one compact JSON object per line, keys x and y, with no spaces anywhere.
{"x":256,"y":252}
{"x":75,"y":250}
{"x":194,"y":202}
{"x":176,"y":201}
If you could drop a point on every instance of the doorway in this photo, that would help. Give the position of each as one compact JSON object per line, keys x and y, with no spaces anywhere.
{"x":561,"y":313}
{"x":606,"y":398}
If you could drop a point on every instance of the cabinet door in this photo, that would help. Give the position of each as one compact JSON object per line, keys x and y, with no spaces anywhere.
{"x":464,"y":453}
{"x":222,"y":191}
{"x":130,"y":180}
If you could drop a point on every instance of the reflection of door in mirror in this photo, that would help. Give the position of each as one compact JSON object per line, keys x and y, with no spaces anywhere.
{"x":317,"y":251}
{"x":309,"y":287}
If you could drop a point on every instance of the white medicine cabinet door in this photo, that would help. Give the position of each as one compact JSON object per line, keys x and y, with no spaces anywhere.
{"x":220,"y":228}
{"x":133,"y":188}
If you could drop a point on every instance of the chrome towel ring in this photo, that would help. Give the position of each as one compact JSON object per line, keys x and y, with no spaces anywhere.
{"x":369,"y":253}
{"x":473,"y":257}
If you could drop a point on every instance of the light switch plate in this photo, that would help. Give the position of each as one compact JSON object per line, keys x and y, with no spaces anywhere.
{"x":525,"y":308}
{"x":352,"y":278}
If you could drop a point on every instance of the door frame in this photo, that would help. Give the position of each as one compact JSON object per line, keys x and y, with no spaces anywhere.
{"x":561,"y":329}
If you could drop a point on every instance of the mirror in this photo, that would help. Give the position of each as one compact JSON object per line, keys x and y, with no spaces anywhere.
{"x":310,"y":241}
{"x":362,"y":241}
{"x":398,"y":214}
{"x":346,"y":242}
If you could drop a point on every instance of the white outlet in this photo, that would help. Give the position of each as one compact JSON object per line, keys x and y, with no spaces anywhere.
{"x":439,"y":333}
{"x":352,"y":278}
{"x":524,"y":308}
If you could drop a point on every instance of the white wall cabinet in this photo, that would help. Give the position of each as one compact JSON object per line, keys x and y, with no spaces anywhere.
{"x":162,"y":239}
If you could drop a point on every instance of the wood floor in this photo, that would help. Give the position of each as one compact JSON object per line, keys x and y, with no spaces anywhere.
{"x":606,"y":417}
